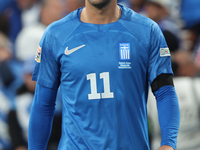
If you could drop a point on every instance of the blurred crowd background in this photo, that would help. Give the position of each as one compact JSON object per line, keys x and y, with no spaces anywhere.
{"x":22,"y":24}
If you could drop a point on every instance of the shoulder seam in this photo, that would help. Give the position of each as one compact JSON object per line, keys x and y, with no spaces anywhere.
{"x":127,"y":19}
{"x":133,"y":35}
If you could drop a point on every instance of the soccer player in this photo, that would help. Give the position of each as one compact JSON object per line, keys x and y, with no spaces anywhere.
{"x":104,"y":57}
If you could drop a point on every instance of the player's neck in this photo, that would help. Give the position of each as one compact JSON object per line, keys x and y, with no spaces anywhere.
{"x":108,"y":14}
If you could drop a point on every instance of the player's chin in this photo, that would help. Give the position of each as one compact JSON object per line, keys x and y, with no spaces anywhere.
{"x":99,"y":3}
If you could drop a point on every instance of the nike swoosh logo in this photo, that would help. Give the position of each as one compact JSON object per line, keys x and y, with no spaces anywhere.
{"x":68,"y":52}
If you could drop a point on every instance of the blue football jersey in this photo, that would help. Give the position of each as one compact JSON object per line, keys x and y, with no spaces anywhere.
{"x":104,"y":72}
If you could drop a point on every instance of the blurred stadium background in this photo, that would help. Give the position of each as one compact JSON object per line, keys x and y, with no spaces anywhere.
{"x":22,"y":23}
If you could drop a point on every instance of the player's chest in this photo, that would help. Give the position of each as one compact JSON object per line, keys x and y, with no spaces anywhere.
{"x":105,"y":50}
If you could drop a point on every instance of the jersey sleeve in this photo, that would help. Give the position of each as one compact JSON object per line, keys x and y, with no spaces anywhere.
{"x":47,"y":69}
{"x":159,"y":55}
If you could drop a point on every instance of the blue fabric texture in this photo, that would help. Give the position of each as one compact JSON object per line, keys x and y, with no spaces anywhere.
{"x":104,"y":82}
{"x":41,"y":118}
{"x":168,"y":114}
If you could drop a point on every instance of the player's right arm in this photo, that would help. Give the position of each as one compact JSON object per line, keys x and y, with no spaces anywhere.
{"x":41,"y":117}
{"x":47,"y":75}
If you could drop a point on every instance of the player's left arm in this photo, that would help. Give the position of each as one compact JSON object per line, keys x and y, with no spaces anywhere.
{"x":166,"y":147}
{"x":168,"y":110}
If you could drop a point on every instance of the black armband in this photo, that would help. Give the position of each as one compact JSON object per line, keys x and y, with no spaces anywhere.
{"x":162,"y":80}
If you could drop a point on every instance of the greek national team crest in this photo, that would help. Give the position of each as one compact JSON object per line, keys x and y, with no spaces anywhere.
{"x":38,"y":55}
{"x":124,"y":56}
{"x":124,"y":51}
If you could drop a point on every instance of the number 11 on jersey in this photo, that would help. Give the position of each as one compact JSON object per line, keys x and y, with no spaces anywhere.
{"x":93,"y":86}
